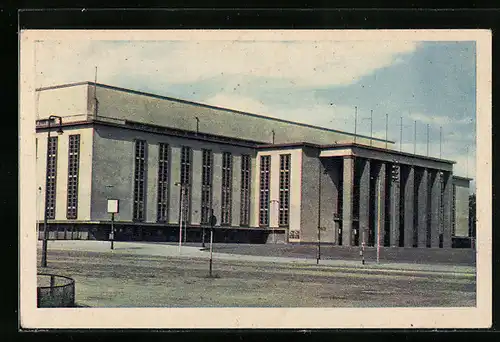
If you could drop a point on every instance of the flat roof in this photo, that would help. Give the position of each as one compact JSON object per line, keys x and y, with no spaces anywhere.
{"x":161,"y":97}
{"x":163,"y":130}
{"x":350,"y":145}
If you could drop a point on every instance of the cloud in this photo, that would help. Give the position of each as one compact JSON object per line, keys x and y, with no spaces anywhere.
{"x":303,"y":64}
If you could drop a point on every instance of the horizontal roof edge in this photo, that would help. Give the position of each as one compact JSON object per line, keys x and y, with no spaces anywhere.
{"x":343,"y":145}
{"x":210,"y":106}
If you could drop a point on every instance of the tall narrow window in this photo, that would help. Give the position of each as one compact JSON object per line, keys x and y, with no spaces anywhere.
{"x":139,"y":180}
{"x":206,"y":186}
{"x":265,"y":165}
{"x":245,"y":190}
{"x":284,"y":190}
{"x":227,"y":171}
{"x":162,"y":199}
{"x":51,"y":177}
{"x":186,"y":182}
{"x":73,"y":170}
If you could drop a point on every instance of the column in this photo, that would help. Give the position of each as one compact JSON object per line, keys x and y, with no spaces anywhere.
{"x":422,"y":208}
{"x":364,"y":201}
{"x":395,"y":207}
{"x":435,"y":188}
{"x":174,"y":191}
{"x":447,"y":205}
{"x":196,"y":186}
{"x":380,"y":199}
{"x":409,"y":212}
{"x":347,"y":197}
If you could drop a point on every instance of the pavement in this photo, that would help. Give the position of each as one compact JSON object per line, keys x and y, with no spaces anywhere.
{"x":187,"y":251}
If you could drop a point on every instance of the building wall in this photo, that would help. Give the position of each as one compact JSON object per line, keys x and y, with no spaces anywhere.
{"x":71,"y":103}
{"x":310,"y":195}
{"x":177,"y":114}
{"x":114,"y":165}
{"x":462,"y":210}
{"x":84,"y":176}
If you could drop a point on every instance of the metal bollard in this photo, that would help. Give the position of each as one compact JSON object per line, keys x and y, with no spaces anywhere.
{"x":362,"y":254}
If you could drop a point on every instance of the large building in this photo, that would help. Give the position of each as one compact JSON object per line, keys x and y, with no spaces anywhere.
{"x":264,"y":179}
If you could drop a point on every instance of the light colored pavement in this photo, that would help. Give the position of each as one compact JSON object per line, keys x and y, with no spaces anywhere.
{"x":155,"y":249}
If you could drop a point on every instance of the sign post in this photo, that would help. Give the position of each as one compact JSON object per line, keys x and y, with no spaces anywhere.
{"x":112,"y":209}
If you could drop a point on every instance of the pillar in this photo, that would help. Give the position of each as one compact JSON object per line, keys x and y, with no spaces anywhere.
{"x":380,"y":201}
{"x":409,"y":193}
{"x":422,"y":208}
{"x":364,"y":201}
{"x":395,"y":207}
{"x":435,"y":188}
{"x":447,"y":208}
{"x":347,"y":198}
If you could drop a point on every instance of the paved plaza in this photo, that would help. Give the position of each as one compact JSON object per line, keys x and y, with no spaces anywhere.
{"x":156,"y":275}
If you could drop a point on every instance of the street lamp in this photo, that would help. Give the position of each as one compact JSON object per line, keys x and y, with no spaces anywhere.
{"x":213,"y":222}
{"x":181,"y":209}
{"x":45,"y":231}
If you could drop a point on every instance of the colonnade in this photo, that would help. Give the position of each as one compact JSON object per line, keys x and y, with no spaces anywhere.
{"x":412,"y":204}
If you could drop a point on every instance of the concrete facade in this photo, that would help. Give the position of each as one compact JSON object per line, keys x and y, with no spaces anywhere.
{"x":113,"y":146}
{"x":345,"y":191}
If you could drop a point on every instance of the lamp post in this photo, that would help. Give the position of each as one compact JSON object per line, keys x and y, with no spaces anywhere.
{"x":45,"y":232}
{"x":213,"y":222}
{"x":181,"y":211}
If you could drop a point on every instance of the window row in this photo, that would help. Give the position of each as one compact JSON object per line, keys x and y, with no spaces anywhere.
{"x":185,"y":184}
{"x":163,"y":180}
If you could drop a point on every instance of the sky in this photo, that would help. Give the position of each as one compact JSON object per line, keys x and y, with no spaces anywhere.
{"x":314,"y":82}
